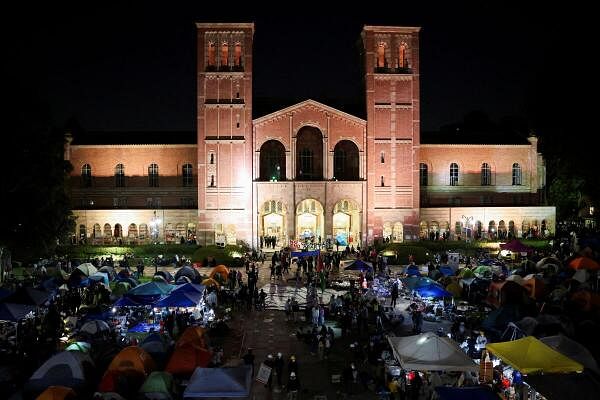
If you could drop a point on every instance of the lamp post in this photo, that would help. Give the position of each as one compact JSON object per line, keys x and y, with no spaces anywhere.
{"x":467,"y":224}
{"x":154,"y":227}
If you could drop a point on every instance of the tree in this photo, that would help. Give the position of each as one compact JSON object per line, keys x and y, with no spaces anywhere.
{"x":33,"y":188}
{"x":565,"y":192}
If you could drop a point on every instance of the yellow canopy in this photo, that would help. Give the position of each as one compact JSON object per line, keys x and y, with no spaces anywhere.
{"x":529,"y":356}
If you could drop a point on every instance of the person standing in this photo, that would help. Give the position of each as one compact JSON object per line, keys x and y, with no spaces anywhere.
{"x":394,"y":294}
{"x":293,"y":386}
{"x":279,"y":368}
{"x":249,"y":359}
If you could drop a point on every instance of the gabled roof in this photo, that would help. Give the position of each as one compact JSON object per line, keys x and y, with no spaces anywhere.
{"x":310,"y":103}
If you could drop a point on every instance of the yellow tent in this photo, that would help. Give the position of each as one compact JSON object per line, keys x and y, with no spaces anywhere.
{"x":529,"y":356}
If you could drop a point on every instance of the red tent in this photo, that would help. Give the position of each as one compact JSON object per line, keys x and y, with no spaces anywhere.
{"x":516,"y":246}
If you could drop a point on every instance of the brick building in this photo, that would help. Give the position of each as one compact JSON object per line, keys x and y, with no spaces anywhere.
{"x":308,"y":171}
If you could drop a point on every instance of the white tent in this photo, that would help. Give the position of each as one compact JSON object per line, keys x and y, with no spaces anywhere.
{"x":430,"y":352}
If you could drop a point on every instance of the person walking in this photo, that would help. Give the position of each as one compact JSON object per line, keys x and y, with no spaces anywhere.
{"x":249,"y":359}
{"x":279,"y":368}
{"x":293,"y":386}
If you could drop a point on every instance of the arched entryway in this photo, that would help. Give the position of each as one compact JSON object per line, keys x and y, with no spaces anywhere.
{"x":273,"y":221}
{"x":346,"y":223}
{"x":345,"y":161}
{"x":398,"y":235}
{"x":309,"y":220}
{"x":272,"y":161}
{"x":309,"y":154}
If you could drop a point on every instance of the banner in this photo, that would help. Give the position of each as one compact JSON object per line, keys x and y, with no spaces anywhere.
{"x":306,"y":253}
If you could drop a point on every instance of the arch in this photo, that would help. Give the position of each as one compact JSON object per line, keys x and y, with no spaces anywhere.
{"x":492,"y":229}
{"x":381,"y":61}
{"x":211,"y":55}
{"x":478,"y":229}
{"x":224,"y":54}
{"x":525,"y":228}
{"x":272,"y":161}
{"x":486,"y":174}
{"x":309,"y":154}
{"x":97,"y":233}
{"x":423,"y":229}
{"x":153,"y":175}
{"x":237,"y":54}
{"x":82,"y":232}
{"x":191,"y":232}
{"x":310,"y":220}
{"x":180,"y":231}
{"x":402,"y":57}
{"x":516,"y":174}
{"x":273,"y":221}
{"x":143,"y":233}
{"x":454,"y":174}
{"x":423,"y":174}
{"x":187,"y":173}
{"x":86,"y":175}
{"x":119,"y":175}
{"x":346,"y":222}
{"x":132,"y":231}
{"x":502,"y":231}
{"x":118,"y":232}
{"x":398,"y":233}
{"x":345,"y":161}
{"x":387,"y":231}
{"x":511,"y":229}
{"x":543,"y":228}
{"x":107,"y":230}
{"x":169,"y":233}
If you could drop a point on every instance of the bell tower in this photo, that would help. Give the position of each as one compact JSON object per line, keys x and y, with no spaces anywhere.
{"x":224,"y":126}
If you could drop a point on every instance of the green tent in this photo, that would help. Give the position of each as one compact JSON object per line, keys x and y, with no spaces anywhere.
{"x":466,"y":273}
{"x":84,"y":347}
{"x":158,"y":385}
{"x":482,"y":270}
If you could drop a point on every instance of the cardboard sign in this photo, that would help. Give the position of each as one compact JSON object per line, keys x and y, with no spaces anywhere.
{"x":263,"y":374}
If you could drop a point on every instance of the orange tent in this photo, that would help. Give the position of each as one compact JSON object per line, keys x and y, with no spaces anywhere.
{"x":193,"y":335}
{"x":211,"y":282}
{"x":505,"y":292}
{"x":186,"y":359}
{"x":222,"y":270}
{"x":534,"y":286}
{"x":133,"y":362}
{"x":584,"y":263}
{"x":57,"y":393}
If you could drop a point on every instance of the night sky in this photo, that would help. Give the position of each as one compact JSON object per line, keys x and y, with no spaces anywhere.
{"x":124,"y":69}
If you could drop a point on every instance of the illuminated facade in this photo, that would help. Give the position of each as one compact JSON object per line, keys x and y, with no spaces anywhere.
{"x":309,"y":171}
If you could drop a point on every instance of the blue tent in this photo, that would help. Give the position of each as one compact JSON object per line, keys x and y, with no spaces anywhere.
{"x":446,"y":270}
{"x":466,"y":393}
{"x":219,"y":382}
{"x":14,"y":312}
{"x":432,"y":291}
{"x":359,"y":265}
{"x":413,"y":270}
{"x":180,"y":299}
{"x":151,"y":289}
{"x":127,"y":302}
{"x":189,"y":287}
{"x":417,"y":281}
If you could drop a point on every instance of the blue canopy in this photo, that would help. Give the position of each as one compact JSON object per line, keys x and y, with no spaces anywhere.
{"x":189,"y":287}
{"x":359,"y":265}
{"x":432,"y":291}
{"x":413,"y":270}
{"x":466,"y":393}
{"x":417,"y":281}
{"x":180,"y":299}
{"x":220,"y":382}
{"x":446,"y":270}
{"x":151,"y":289}
{"x":127,"y":302}
{"x":314,"y":253}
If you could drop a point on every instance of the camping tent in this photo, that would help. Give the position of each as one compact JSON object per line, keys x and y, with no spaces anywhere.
{"x":573,"y":350}
{"x":359,"y":265}
{"x":189,"y":287}
{"x":434,"y":290}
{"x":219,"y":382}
{"x":430,"y":352}
{"x":180,"y":299}
{"x":68,"y":368}
{"x":158,"y":385}
{"x":57,"y":393}
{"x":14,"y":312}
{"x":584,"y":263}
{"x":529,"y":355}
{"x":220,"y":270}
{"x":465,"y":393}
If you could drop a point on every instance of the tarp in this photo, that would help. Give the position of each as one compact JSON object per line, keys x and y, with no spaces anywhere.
{"x":430,"y":352}
{"x":359,"y":265}
{"x":529,"y":356}
{"x":14,"y":312}
{"x":417,"y":281}
{"x":466,"y":393}
{"x":573,"y":350}
{"x":583,"y":386}
{"x":516,"y":246}
{"x":219,"y":382}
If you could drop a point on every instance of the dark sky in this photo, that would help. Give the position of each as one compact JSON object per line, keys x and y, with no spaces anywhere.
{"x":133,"y":68}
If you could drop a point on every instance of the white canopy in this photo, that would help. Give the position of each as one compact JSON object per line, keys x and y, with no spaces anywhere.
{"x":430,"y":352}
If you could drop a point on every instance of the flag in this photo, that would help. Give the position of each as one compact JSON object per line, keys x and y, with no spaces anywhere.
{"x":320,"y":263}
{"x":294,"y":244}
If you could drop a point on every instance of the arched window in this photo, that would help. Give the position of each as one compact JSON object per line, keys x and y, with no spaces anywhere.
{"x":423,"y":174}
{"x":382,"y":182}
{"x":187,"y":174}
{"x":516,"y":174}
{"x":237,"y":55}
{"x":86,"y":175}
{"x":454,"y":174}
{"x":309,"y":154}
{"x":381,"y":62}
{"x":212,"y":158}
{"x":272,"y":161}
{"x":486,"y":174}
{"x":402,"y":61}
{"x":211,"y":55}
{"x":143,"y":231}
{"x":502,"y":232}
{"x":132,"y":231}
{"x":107,"y":230}
{"x":119,"y":175}
{"x":118,"y":231}
{"x":212,"y":181}
{"x":82,"y":232}
{"x":345,"y":161}
{"x":492,"y":230}
{"x":153,"y":175}
{"x":224,"y":54}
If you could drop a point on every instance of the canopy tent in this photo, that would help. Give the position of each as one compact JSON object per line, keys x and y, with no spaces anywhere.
{"x":219,"y":382}
{"x":573,"y":350}
{"x":95,"y":328}
{"x":430,"y":352}
{"x":466,"y":393}
{"x":516,"y":246}
{"x":68,"y":368}
{"x":151,"y":289}
{"x":158,"y":385}
{"x":14,"y":312}
{"x":180,"y":299}
{"x":435,"y":291}
{"x":529,"y":355}
{"x":127,"y":302}
{"x":583,"y":386}
{"x":412,"y":270}
{"x":413,"y":282}
{"x":189,"y":287}
{"x":359,"y":265}
{"x":100,"y":277}
{"x":584,"y":263}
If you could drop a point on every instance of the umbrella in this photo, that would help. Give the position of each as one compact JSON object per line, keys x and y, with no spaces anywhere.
{"x":584,"y":263}
{"x":466,"y":273}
